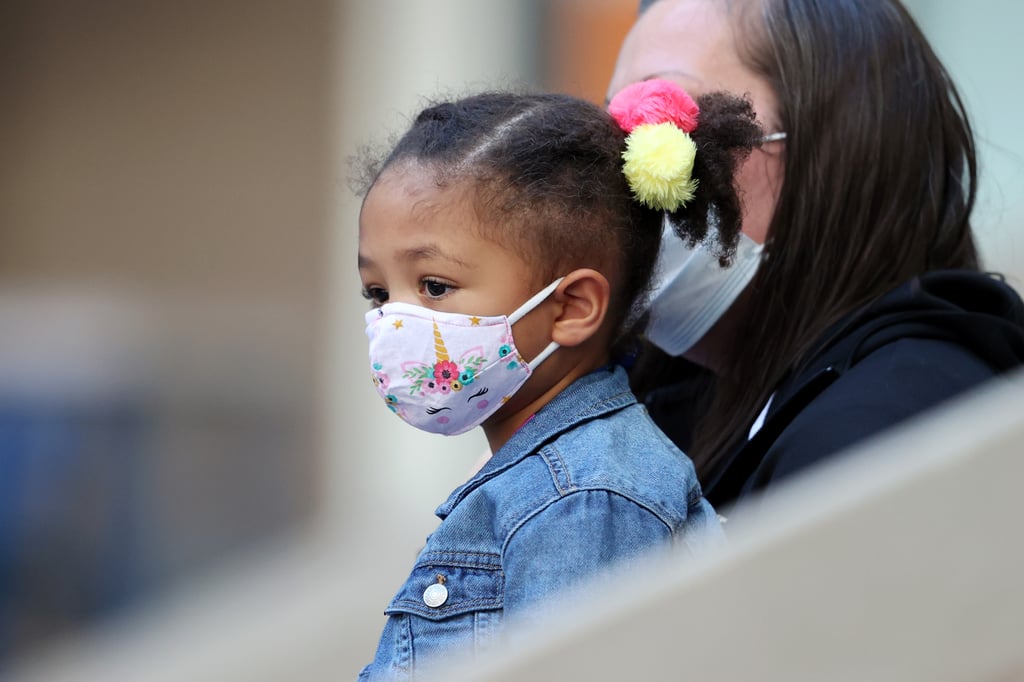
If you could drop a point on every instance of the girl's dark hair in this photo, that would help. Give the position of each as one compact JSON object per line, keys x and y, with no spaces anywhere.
{"x":545,"y":174}
{"x":878,"y":185}
{"x":727,"y":133}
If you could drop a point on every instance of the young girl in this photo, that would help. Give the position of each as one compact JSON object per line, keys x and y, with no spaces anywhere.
{"x":506,"y":243}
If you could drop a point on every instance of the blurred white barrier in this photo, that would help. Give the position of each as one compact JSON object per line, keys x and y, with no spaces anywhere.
{"x":901,"y":561}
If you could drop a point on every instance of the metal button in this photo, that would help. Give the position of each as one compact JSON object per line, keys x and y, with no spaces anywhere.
{"x":436,"y":594}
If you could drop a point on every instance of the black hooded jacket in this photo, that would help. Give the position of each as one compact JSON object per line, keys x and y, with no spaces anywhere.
{"x":931,"y":339}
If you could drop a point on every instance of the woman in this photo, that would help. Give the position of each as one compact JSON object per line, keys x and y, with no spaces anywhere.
{"x":859,"y":302}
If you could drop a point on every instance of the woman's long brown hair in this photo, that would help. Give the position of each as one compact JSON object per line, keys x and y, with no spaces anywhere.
{"x":879,"y":183}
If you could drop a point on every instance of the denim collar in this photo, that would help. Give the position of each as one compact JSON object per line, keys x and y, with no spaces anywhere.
{"x":601,"y":392}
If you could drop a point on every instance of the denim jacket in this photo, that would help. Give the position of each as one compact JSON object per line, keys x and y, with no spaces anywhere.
{"x":587,"y":482}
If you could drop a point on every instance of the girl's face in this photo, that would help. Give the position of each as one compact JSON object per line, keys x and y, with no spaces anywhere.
{"x":421,"y":244}
{"x":691,"y":42}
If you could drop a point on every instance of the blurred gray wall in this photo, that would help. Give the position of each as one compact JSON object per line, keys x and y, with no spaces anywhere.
{"x":980,"y":44}
{"x":384,"y":478}
{"x":164,"y":206}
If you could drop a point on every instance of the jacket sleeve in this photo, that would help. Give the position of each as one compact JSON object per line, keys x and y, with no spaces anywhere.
{"x":572,"y":539}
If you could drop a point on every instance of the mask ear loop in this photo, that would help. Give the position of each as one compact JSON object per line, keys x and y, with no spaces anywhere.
{"x":525,"y":308}
{"x":533,"y":302}
{"x":543,"y":355}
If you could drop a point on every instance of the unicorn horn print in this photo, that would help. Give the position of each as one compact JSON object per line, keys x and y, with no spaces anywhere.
{"x":439,"y":349}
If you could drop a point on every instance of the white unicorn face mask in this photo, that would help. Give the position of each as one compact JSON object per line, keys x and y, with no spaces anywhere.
{"x":692,"y":291}
{"x":447,"y":372}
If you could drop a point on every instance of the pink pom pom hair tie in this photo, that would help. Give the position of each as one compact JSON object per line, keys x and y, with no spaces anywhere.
{"x":654,"y":101}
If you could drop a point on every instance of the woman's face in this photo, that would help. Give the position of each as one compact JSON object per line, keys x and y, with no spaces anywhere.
{"x":692,"y":43}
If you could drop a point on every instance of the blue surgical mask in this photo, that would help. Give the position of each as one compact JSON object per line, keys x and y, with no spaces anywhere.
{"x":692,"y":290}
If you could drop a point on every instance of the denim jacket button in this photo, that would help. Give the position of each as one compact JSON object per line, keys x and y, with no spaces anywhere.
{"x":435,"y":595}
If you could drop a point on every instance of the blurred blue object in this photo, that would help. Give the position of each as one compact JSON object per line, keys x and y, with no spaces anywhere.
{"x":69,"y":514}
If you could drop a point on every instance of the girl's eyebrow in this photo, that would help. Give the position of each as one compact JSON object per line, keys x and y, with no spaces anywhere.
{"x":429,"y":252}
{"x":418,"y":253}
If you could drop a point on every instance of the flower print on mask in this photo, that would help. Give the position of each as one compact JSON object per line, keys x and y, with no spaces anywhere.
{"x":380,"y":379}
{"x":392,"y":402}
{"x":444,"y":375}
{"x":508,"y":350}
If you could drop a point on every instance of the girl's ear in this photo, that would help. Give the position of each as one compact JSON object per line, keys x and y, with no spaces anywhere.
{"x":583,"y":296}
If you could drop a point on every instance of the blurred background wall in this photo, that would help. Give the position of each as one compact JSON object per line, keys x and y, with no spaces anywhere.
{"x":980,"y":46}
{"x":164,"y":211}
{"x":182,"y":378}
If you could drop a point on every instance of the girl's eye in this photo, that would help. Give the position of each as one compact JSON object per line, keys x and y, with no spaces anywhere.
{"x":435,"y":289}
{"x":375,"y":295}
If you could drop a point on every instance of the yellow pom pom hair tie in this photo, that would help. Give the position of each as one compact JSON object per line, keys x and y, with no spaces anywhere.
{"x":658,"y":116}
{"x":659,"y":166}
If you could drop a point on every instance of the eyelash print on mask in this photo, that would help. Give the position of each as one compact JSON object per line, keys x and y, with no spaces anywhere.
{"x":479,"y":393}
{"x":435,"y":410}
